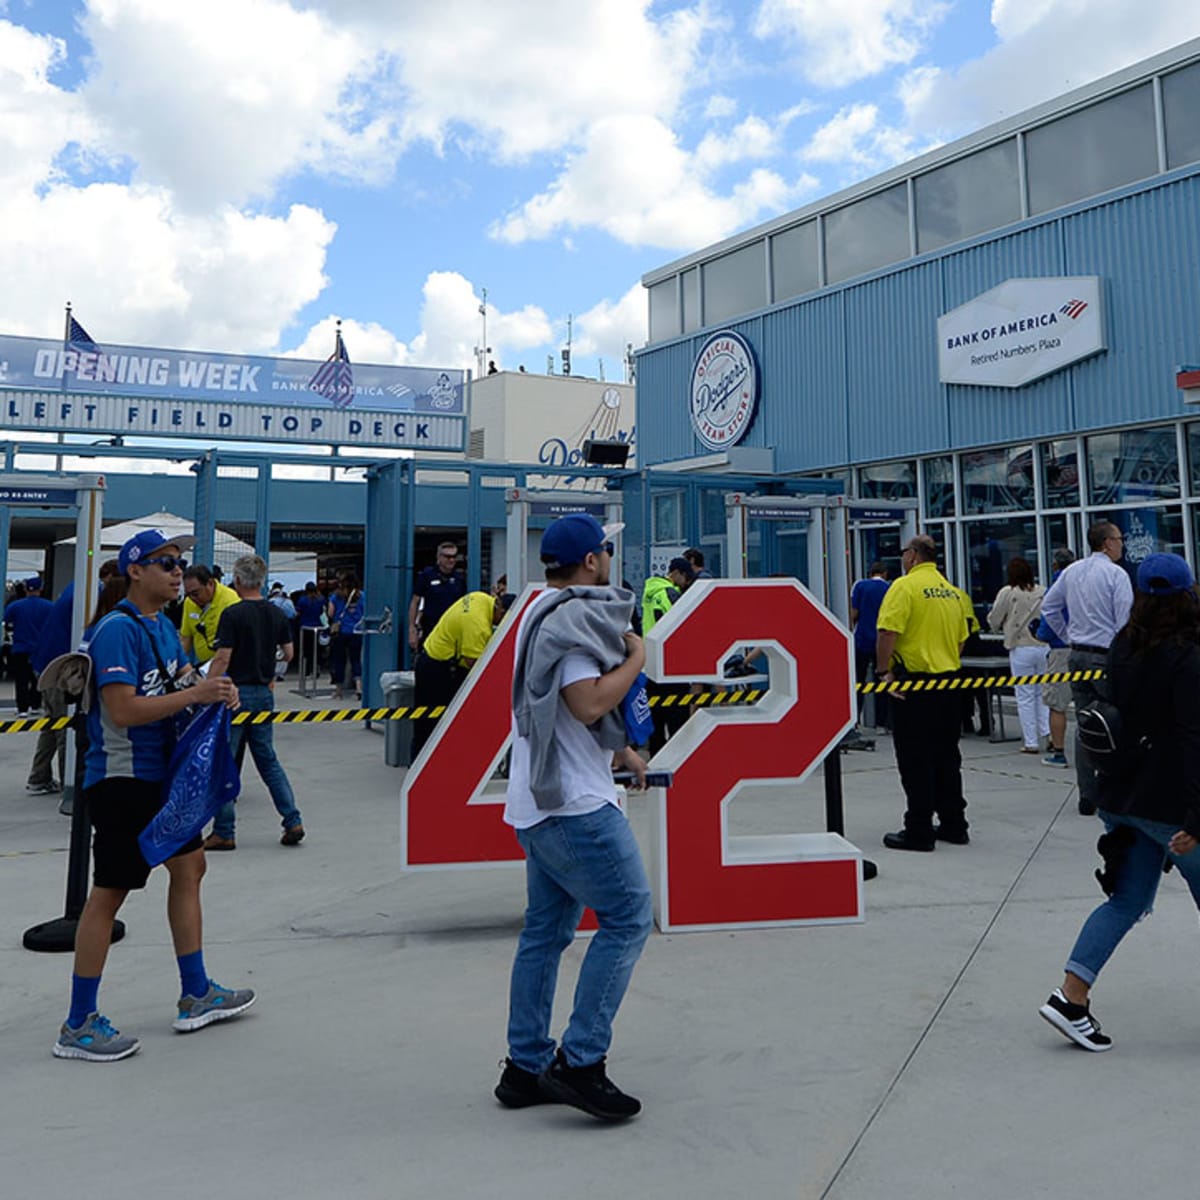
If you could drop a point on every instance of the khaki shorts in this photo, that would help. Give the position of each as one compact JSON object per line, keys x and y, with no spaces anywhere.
{"x":1058,"y":695}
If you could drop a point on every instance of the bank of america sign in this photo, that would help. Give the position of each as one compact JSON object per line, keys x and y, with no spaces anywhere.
{"x":1022,"y":330}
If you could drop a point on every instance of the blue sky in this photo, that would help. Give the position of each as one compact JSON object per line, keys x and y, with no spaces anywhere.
{"x":233,"y":175}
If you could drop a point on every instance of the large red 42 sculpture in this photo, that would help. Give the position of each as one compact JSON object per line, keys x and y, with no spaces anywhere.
{"x":703,"y":877}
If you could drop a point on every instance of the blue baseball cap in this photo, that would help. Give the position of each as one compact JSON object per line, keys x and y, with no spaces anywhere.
{"x":1164,"y":575}
{"x":568,"y":540}
{"x":144,"y":544}
{"x":33,"y":583}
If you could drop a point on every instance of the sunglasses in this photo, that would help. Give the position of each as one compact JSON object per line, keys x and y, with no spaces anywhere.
{"x":606,"y":548}
{"x":167,"y":561}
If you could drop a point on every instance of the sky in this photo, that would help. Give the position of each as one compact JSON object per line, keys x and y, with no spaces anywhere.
{"x":236,"y":175}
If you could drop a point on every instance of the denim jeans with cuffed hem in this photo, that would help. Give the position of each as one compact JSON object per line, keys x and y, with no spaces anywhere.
{"x":258,"y":738}
{"x":593,"y":861}
{"x":1137,"y":885}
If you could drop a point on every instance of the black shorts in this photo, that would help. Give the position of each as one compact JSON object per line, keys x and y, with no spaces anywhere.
{"x":119,"y":809}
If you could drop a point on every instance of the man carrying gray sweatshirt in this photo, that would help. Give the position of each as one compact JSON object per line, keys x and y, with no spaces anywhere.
{"x":576,"y":658}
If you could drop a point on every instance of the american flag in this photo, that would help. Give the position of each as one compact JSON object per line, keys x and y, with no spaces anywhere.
{"x":334,"y":379}
{"x":79,"y":339}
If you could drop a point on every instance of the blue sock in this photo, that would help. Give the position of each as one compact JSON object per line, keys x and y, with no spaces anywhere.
{"x":192,"y":974}
{"x":84,"y":992}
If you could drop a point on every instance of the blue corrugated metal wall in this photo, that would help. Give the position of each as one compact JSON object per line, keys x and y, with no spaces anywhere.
{"x":850,"y":375}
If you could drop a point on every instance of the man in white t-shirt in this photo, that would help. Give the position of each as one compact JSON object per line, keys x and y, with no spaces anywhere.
{"x":576,"y":658}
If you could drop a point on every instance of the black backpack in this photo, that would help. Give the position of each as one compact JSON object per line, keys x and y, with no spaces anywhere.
{"x":1115,"y":750}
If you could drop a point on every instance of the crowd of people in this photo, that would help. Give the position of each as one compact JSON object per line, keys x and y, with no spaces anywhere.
{"x":578,"y":656}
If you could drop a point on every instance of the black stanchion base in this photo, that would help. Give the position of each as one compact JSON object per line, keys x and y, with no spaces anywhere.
{"x":870,"y":870}
{"x":57,"y":936}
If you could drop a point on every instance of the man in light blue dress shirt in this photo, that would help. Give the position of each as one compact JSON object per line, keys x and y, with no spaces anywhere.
{"x":1087,"y":606}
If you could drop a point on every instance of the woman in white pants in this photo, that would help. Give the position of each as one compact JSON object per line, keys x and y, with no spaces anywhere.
{"x":1017,"y":605}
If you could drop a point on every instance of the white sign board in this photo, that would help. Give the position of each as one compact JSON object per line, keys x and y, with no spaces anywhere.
{"x":1022,"y":330}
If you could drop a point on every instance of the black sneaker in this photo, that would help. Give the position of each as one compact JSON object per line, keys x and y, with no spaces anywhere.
{"x":1074,"y":1021}
{"x":518,"y":1088}
{"x":907,"y":841}
{"x":956,"y":837}
{"x":588,"y":1088}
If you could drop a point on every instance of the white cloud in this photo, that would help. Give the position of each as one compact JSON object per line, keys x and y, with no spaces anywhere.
{"x":1048,"y":47}
{"x":36,"y":118}
{"x":752,"y":138}
{"x":450,"y":330}
{"x":849,"y":40}
{"x":606,"y":329}
{"x":139,"y":272}
{"x":633,"y":180}
{"x":218,"y":101}
{"x":719,"y":107}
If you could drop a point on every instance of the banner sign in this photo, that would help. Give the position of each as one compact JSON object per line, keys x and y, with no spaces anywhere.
{"x":723,"y":396}
{"x":187,"y":393}
{"x":874,"y":514}
{"x":1022,"y":330}
{"x":557,"y":508}
{"x":45,"y":497}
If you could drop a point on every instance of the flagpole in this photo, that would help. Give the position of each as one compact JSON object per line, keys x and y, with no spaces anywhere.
{"x":62,"y":375}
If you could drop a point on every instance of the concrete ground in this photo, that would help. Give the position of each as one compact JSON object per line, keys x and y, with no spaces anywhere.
{"x":898,"y":1058}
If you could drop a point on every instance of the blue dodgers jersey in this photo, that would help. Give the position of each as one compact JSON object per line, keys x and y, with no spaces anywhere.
{"x":121,"y":653}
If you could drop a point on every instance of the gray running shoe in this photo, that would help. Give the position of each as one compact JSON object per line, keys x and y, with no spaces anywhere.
{"x":52,"y":788}
{"x":217,"y":1004}
{"x":95,"y":1040}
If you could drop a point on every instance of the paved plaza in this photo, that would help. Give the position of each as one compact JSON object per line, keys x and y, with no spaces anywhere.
{"x":902,"y":1057}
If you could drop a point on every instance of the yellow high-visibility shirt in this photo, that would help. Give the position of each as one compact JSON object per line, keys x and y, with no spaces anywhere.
{"x":463,"y":630}
{"x":925,"y":611}
{"x":201,"y":624}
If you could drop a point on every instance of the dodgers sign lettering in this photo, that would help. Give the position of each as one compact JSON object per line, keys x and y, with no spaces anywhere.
{"x":1022,"y":330}
{"x":724,"y":391}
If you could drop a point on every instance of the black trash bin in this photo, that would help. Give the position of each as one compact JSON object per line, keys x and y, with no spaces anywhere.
{"x":398,"y":690}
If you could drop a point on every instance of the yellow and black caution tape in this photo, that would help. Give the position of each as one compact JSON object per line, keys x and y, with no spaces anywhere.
{"x":316,"y":716}
{"x":723,"y":699}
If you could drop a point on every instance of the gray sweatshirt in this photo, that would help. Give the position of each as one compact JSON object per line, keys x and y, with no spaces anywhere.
{"x":593,"y":619}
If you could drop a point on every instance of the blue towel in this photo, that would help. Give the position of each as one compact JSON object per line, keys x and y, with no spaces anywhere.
{"x":201,"y":777}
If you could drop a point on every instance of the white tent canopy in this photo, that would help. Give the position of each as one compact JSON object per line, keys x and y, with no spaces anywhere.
{"x":226,"y":547}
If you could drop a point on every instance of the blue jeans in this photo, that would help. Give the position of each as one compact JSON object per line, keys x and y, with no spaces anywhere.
{"x":256,"y":699}
{"x":572,"y":862}
{"x":1137,"y":885}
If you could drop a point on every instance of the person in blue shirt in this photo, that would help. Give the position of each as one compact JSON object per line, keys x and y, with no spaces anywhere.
{"x":865,"y":598}
{"x":136,"y":657}
{"x":55,"y":641}
{"x":25,"y":618}
{"x":346,"y":612}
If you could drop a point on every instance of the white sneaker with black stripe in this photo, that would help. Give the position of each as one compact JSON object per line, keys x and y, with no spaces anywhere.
{"x":1074,"y":1021}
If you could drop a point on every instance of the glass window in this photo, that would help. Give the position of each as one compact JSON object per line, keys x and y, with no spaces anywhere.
{"x":691,"y":299}
{"x":1090,"y":151}
{"x":712,"y":512}
{"x":664,"y":310}
{"x":794,"y":261}
{"x":991,"y":545}
{"x":1146,"y":530}
{"x":735,"y":283}
{"x":668,"y":517}
{"x":888,"y":481}
{"x":1136,"y":464}
{"x":868,"y":234}
{"x":1181,"y":108}
{"x":881,"y":544}
{"x":999,"y":480}
{"x":974,"y":194}
{"x":938,"y":474}
{"x":1059,"y":532}
{"x":1060,"y":473}
{"x":1193,"y":452}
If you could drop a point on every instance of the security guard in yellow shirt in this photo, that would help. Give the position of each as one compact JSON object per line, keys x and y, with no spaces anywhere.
{"x":921,"y":630}
{"x":455,"y":642}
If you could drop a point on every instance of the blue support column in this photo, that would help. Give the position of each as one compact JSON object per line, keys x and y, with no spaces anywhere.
{"x":262,"y":511}
{"x":387,"y":570}
{"x":205,"y":514}
{"x":474,"y":534}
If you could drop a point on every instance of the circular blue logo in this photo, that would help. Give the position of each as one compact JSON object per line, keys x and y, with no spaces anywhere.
{"x":724,"y":391}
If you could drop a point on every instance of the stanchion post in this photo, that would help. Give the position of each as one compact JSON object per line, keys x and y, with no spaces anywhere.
{"x":835,"y":814}
{"x":58,"y":935}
